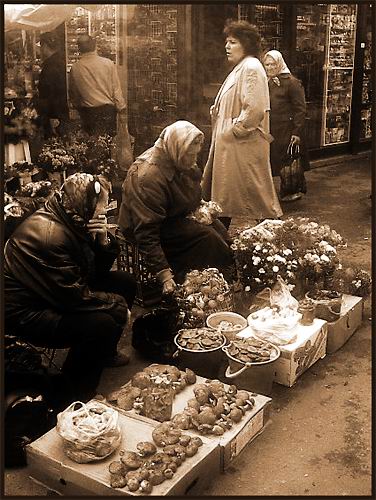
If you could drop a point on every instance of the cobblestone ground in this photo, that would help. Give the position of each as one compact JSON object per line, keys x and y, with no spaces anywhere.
{"x":318,"y":440}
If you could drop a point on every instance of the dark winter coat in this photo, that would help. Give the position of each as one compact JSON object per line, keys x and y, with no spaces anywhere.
{"x":49,"y":266}
{"x":287,"y":118}
{"x":154,"y":193}
{"x":156,"y":200}
{"x":52,"y":88}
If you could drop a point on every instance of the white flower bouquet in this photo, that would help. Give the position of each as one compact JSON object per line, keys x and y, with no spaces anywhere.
{"x":293,"y":249}
{"x":54,"y":156}
{"x":206,"y":212}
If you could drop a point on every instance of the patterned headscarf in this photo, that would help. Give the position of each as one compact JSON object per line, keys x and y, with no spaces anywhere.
{"x":176,"y":138}
{"x":79,"y":196}
{"x":281,"y":65}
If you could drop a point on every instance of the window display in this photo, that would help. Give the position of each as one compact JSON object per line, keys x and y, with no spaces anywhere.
{"x":152,"y":70}
{"x":77,"y":25}
{"x":311,"y":40}
{"x":103,"y":28}
{"x":269,"y":19}
{"x":339,"y":68}
{"x":366,"y":112}
{"x":21,"y":64}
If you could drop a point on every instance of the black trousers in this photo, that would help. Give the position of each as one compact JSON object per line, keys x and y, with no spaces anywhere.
{"x":99,"y":120}
{"x":189,"y":245}
{"x":91,"y":337}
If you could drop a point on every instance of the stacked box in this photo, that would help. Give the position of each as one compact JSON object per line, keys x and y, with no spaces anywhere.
{"x":49,"y":466}
{"x":233,"y":441}
{"x":340,"y":331}
{"x":300,"y":355}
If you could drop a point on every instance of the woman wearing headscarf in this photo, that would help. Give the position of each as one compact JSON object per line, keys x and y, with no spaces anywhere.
{"x":162,"y":187}
{"x":287,"y":114}
{"x":237,"y":174}
{"x":59,"y":289}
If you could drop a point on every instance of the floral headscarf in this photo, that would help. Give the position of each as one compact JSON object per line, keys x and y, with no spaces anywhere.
{"x":176,"y":138}
{"x":281,"y":64}
{"x":79,"y":196}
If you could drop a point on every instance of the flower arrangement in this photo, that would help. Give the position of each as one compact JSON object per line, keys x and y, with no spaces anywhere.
{"x":12,"y":207}
{"x":360,"y":285}
{"x":99,"y":157}
{"x":77,"y":147}
{"x":206,"y":212}
{"x":293,"y":249}
{"x":21,"y":167}
{"x":54,"y":156}
{"x":21,"y":126}
{"x":100,"y":148}
{"x":35,"y":189}
{"x":352,"y":280}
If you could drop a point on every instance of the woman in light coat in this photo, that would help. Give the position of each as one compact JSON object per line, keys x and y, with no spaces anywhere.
{"x":237,"y":174}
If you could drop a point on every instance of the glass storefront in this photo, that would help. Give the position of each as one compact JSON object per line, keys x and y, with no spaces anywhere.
{"x":155,"y":59}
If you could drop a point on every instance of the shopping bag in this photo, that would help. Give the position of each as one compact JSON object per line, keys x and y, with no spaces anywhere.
{"x":124,"y":147}
{"x":292,"y":174}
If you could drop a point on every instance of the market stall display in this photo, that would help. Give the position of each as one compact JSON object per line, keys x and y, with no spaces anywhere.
{"x":206,"y":212}
{"x":89,"y":431}
{"x":48,"y":465}
{"x":202,"y":293}
{"x":151,"y":391}
{"x":306,"y":347}
{"x":227,"y":323}
{"x":300,"y":250}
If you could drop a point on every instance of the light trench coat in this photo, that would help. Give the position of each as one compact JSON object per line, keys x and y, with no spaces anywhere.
{"x":237,"y":174}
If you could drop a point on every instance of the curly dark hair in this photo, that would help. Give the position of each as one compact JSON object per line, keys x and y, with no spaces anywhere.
{"x":247,"y":34}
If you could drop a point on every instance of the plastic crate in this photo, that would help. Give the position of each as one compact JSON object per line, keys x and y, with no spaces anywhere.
{"x":132,"y":260}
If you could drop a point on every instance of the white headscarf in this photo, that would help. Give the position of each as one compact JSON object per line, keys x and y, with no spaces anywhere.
{"x":281,"y":64}
{"x":176,"y":138}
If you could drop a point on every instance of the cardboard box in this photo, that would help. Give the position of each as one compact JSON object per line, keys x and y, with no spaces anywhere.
{"x":232,"y":441}
{"x":49,"y":466}
{"x":340,"y":331}
{"x":298,"y":356}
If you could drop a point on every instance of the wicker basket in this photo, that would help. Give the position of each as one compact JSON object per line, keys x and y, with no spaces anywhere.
{"x":132,"y":260}
{"x":226,"y":305}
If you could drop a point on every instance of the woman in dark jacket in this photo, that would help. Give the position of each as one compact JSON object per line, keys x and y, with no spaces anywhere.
{"x":162,"y":187}
{"x":287,"y":114}
{"x":59,"y":290}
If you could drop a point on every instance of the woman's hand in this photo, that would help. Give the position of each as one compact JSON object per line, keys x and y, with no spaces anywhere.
{"x":168,"y":287}
{"x":98,"y":229}
{"x":166,"y":278}
{"x":295,"y":139}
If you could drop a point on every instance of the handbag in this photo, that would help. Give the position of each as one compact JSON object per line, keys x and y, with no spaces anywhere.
{"x":293,"y":183}
{"x":153,"y":333}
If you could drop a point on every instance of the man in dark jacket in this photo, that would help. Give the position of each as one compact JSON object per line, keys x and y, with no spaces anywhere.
{"x":52,"y":87}
{"x":59,"y":290}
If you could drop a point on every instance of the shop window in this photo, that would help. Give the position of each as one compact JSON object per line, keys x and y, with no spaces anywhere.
{"x":154,"y":9}
{"x":156,"y":29}
{"x":157,"y":97}
{"x":366,"y":111}
{"x":270,"y":21}
{"x":338,"y":74}
{"x":172,"y":92}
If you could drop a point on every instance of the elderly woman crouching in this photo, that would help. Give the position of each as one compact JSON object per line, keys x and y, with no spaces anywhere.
{"x":163,"y":187}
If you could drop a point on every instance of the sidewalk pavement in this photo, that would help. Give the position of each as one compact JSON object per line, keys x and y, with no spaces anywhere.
{"x":318,"y":441}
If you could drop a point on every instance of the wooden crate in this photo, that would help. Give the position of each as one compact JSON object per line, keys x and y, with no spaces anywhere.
{"x":49,"y":466}
{"x":232,"y":441}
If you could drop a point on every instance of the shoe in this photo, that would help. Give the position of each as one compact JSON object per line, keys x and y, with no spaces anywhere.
{"x":292,"y":197}
{"x":120,"y":359}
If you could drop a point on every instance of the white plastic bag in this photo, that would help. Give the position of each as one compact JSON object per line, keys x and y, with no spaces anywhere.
{"x":275,"y":323}
{"x":281,"y":297}
{"x":90,"y":431}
